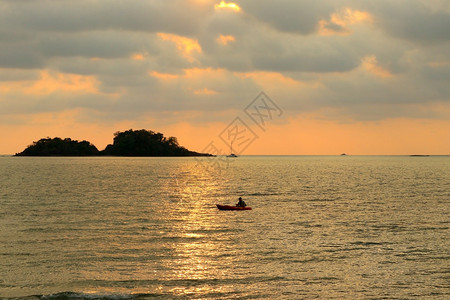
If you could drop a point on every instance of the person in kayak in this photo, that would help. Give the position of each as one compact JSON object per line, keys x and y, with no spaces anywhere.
{"x":241,"y":203}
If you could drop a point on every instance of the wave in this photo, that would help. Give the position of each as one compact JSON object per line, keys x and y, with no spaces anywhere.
{"x":76,"y":296}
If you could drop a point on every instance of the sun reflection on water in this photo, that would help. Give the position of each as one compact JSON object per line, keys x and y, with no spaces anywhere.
{"x":197,"y":253}
{"x":321,"y":227}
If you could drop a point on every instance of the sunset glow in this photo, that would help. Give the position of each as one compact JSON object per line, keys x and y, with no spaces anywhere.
{"x":227,"y":5}
{"x":185,"y":45}
{"x":164,"y":76}
{"x":365,"y":73}
{"x":49,"y":83}
{"x":137,"y":56}
{"x":224,"y":149}
{"x":225,"y":39}
{"x":205,"y":91}
{"x":339,"y":22}
{"x":350,"y":16}
{"x":371,"y":64}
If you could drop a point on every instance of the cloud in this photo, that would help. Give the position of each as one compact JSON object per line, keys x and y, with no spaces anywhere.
{"x":225,"y":39}
{"x":227,"y":5}
{"x":421,"y":22}
{"x":289,"y":15}
{"x":340,"y":21}
{"x":350,"y":60}
{"x":177,"y":16}
{"x":186,"y":46}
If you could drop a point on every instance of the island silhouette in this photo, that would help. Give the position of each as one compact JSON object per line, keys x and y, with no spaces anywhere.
{"x":128,"y":143}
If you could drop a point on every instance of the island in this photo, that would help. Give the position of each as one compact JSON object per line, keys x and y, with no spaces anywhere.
{"x":128,"y":143}
{"x":146,"y":143}
{"x":59,"y":147}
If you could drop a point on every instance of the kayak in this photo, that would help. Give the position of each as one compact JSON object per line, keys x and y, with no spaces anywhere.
{"x":228,"y":207}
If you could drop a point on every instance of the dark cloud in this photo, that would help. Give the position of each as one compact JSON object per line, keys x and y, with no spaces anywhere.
{"x":418,"y":21}
{"x":367,"y":69}
{"x":289,"y":15}
{"x":20,"y":55}
{"x":178,"y":16}
{"x":335,"y":27}
{"x":13,"y":75}
{"x":96,"y":44}
{"x":304,"y":55}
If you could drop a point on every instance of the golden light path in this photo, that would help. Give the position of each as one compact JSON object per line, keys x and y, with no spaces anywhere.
{"x":197,"y":254}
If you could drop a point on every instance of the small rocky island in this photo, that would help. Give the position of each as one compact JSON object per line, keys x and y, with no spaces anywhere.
{"x":60,"y":147}
{"x":128,"y":143}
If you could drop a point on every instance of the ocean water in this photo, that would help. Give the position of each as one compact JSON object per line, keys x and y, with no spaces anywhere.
{"x":322,"y":227}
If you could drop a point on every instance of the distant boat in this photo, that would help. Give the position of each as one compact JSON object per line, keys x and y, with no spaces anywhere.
{"x":419,"y":155}
{"x":343,"y":154}
{"x":231,"y":151}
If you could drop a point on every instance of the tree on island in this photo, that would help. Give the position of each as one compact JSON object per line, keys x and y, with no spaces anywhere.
{"x":129,"y":143}
{"x":146,"y":143}
{"x":60,"y":147}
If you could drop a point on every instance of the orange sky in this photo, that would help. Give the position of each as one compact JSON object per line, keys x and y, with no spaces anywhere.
{"x":301,"y":135}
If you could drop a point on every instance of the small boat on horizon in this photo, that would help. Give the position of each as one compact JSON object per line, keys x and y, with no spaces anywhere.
{"x":231,"y":151}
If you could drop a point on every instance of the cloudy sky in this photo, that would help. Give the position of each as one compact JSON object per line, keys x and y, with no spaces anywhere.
{"x":354,"y":76}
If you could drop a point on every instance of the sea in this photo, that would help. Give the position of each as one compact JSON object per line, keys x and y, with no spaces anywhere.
{"x":321,"y":227}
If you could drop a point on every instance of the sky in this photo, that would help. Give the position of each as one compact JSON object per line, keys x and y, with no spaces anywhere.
{"x":281,"y":77}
